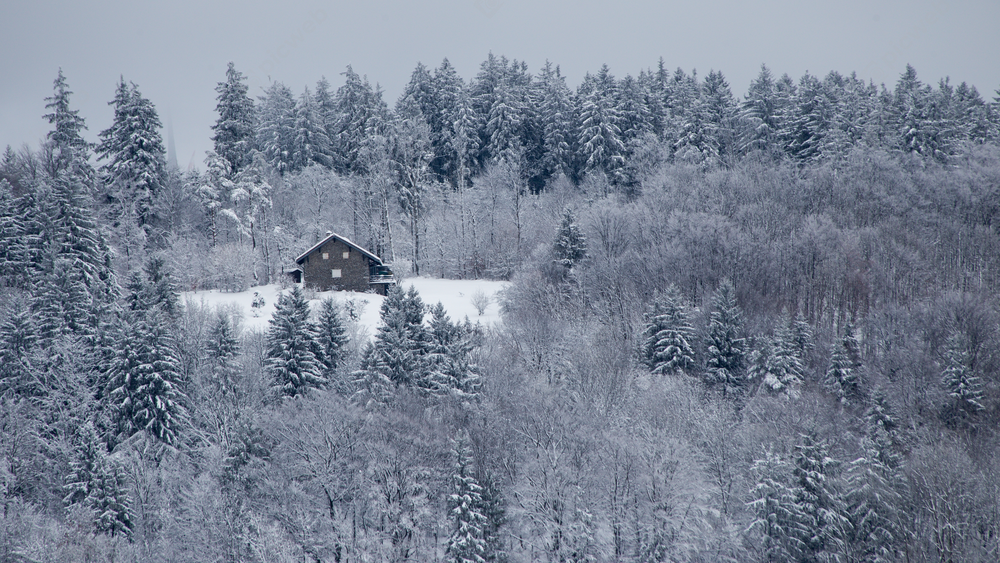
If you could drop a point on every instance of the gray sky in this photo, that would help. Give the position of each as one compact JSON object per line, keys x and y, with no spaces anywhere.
{"x":177,"y":51}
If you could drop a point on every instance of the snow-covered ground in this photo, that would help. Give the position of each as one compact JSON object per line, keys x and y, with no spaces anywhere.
{"x":455,"y":295}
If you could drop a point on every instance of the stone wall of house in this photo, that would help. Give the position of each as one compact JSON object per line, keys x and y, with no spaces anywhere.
{"x":318,"y":271}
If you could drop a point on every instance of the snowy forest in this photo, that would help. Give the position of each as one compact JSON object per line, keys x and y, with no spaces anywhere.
{"x":738,"y":327}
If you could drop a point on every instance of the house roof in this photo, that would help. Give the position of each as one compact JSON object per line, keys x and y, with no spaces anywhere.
{"x":345,"y":240}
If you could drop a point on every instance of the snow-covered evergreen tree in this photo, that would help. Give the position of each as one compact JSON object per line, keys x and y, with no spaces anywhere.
{"x":17,"y":341}
{"x":70,"y":152}
{"x":133,"y":150}
{"x":234,"y":128}
{"x":666,"y":347}
{"x":74,"y":286}
{"x":310,"y":144}
{"x":449,"y":346}
{"x":725,"y":343}
{"x":467,"y":540}
{"x":143,"y":380}
{"x":223,"y":347}
{"x":775,"y":514}
{"x":819,"y":507}
{"x":874,"y":506}
{"x":600,"y":137}
{"x":841,"y":377}
{"x":291,"y":349}
{"x":86,"y":465}
{"x":776,"y":363}
{"x":331,"y":336}
{"x":554,"y":99}
{"x":570,"y":247}
{"x":276,"y":126}
{"x":959,"y":380}
{"x":111,"y":503}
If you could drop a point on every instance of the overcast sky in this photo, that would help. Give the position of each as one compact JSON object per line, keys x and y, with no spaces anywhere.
{"x":177,"y":51}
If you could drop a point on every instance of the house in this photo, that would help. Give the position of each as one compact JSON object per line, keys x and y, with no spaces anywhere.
{"x":337,"y":263}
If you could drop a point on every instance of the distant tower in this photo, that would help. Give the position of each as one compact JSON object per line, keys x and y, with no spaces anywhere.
{"x":171,"y":149}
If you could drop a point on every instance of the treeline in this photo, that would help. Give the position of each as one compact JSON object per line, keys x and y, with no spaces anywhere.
{"x":742,"y":354}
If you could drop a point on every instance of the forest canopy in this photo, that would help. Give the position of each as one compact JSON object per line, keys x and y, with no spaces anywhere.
{"x":757,"y":327}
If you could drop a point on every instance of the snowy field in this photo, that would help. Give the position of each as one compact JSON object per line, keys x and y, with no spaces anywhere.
{"x":455,"y":295}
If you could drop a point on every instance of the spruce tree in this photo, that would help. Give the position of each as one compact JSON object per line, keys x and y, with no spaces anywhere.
{"x":958,"y":379}
{"x":291,"y":349}
{"x":143,"y":380}
{"x":17,"y":342}
{"x":449,"y":365}
{"x":841,"y":377}
{"x":331,"y":336}
{"x":570,"y":247}
{"x":776,"y":362}
{"x":874,"y":506}
{"x":467,"y":540}
{"x":234,"y":128}
{"x":75,"y":287}
{"x":725,"y":343}
{"x":133,"y":150}
{"x":110,"y":502}
{"x":600,"y":137}
{"x":399,"y":354}
{"x":310,"y":144}
{"x":69,"y":150}
{"x":775,"y":514}
{"x":818,"y":504}
{"x":556,"y":109}
{"x":86,"y":466}
{"x":276,"y":126}
{"x":668,"y":334}
{"x":223,"y":347}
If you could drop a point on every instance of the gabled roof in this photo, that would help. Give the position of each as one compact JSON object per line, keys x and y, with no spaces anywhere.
{"x":345,"y":240}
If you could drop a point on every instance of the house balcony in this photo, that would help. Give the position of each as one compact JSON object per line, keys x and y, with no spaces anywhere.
{"x":381,"y":279}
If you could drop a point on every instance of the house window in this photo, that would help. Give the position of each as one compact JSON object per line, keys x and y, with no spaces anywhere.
{"x":347,"y":254}
{"x":335,"y":273}
{"x":326,"y":256}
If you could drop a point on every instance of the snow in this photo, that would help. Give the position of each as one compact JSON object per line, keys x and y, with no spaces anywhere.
{"x":455,"y":295}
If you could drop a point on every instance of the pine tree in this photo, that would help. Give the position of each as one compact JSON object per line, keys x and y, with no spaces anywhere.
{"x":818,"y":504}
{"x":17,"y":341}
{"x":776,"y":363}
{"x":571,"y":246}
{"x":213,"y":188}
{"x":70,"y":151}
{"x":133,"y":149}
{"x":841,"y":377}
{"x":276,"y":126}
{"x":773,"y":503}
{"x":223,"y":347}
{"x":802,"y":335}
{"x":111,"y":503}
{"x":86,"y":466}
{"x":331,"y":336}
{"x":291,"y":351}
{"x":958,"y":379}
{"x":467,"y":542}
{"x":450,"y":368}
{"x":600,"y":137}
{"x":75,"y":287}
{"x":725,"y":344}
{"x":668,"y":334}
{"x":234,"y":129}
{"x":310,"y":144}
{"x":873,"y":506}
{"x":553,"y":97}
{"x":361,"y":117}
{"x":153,"y":287}
{"x":143,"y":380}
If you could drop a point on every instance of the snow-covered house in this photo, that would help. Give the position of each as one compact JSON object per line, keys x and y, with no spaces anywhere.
{"x":337,"y":263}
